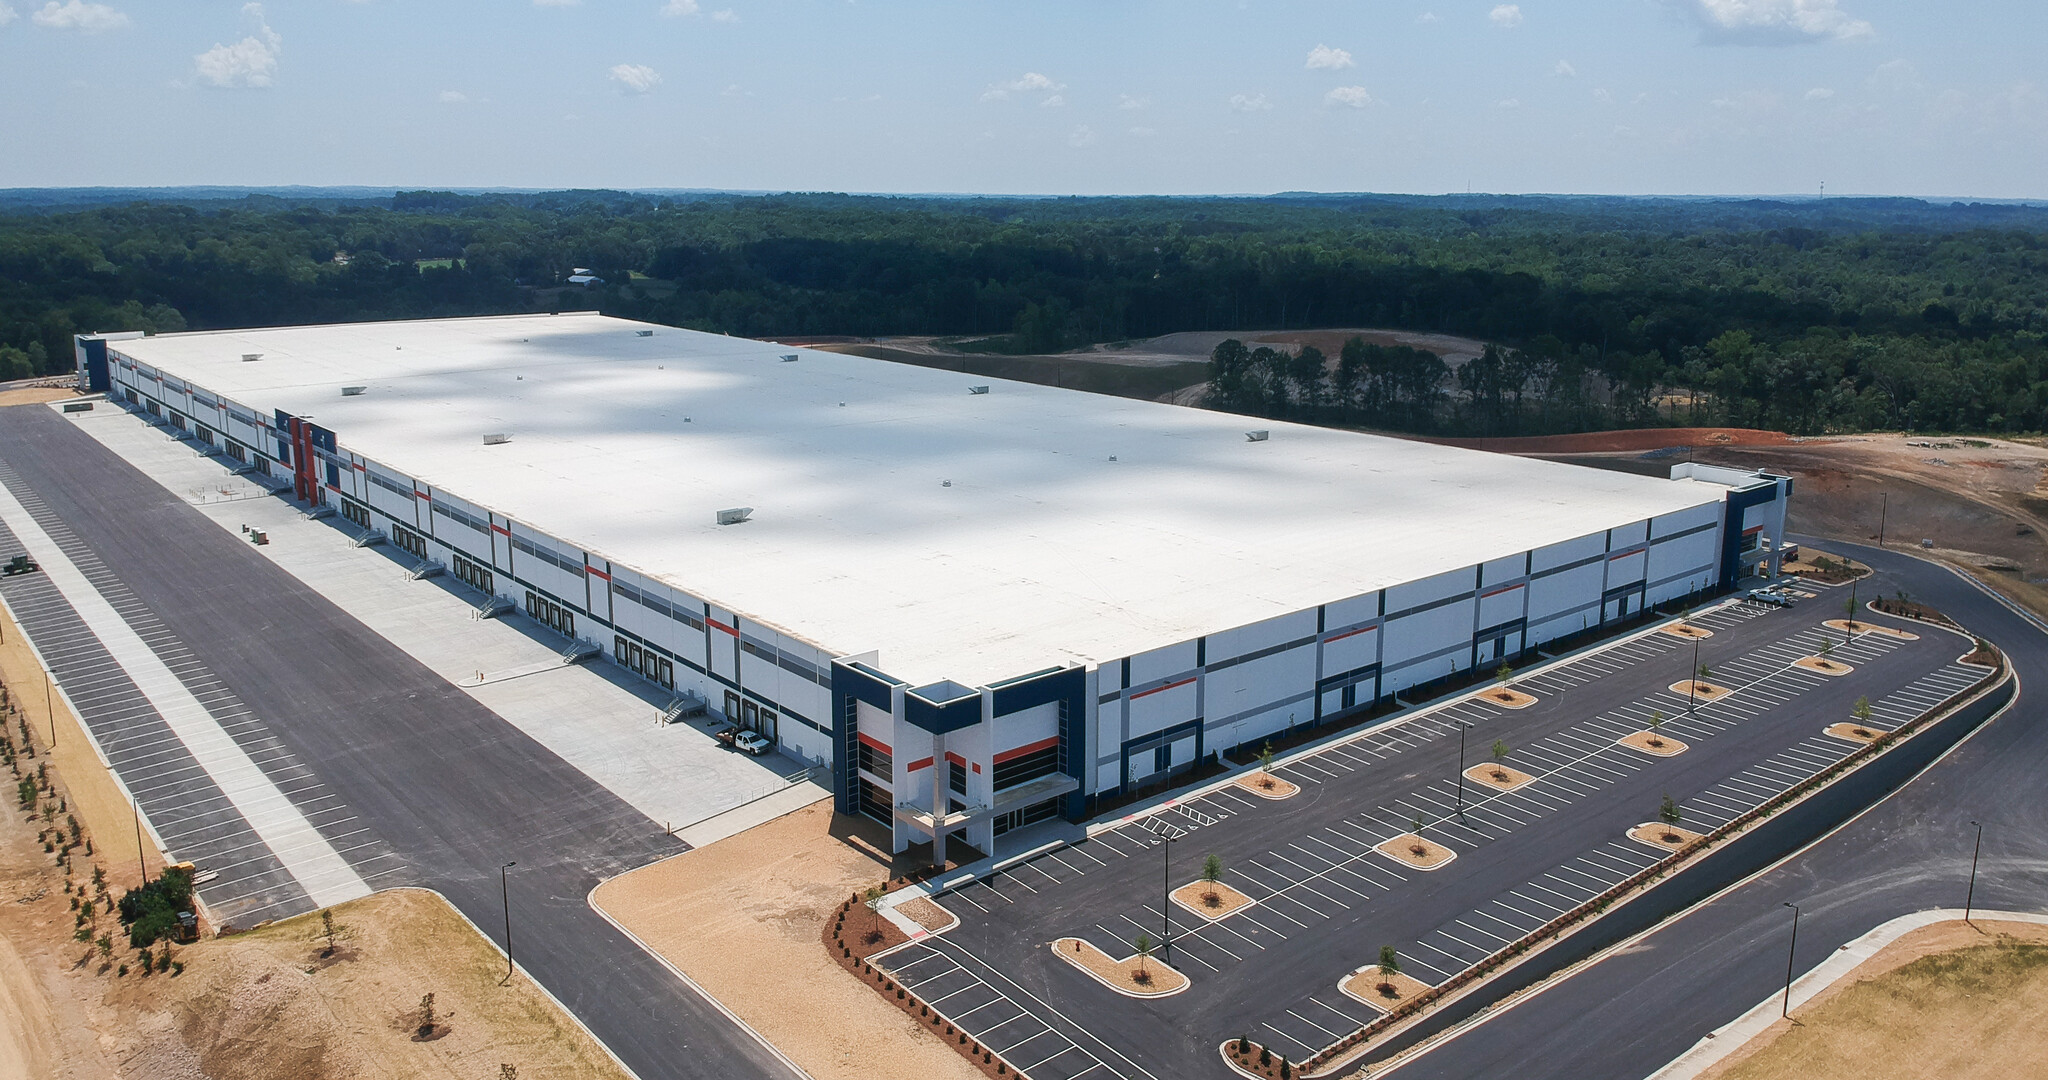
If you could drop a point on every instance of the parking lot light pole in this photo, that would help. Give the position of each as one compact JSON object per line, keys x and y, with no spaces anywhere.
{"x":1970,"y":897}
{"x":505,"y":894}
{"x":1785,"y":1007}
{"x":49,"y":705}
{"x":1692,"y":682}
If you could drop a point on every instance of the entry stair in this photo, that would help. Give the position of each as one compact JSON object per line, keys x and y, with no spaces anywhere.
{"x":427,"y":569}
{"x":579,"y":651}
{"x":371,"y":538}
{"x":318,"y":512}
{"x":684,"y":706}
{"x":492,"y":608}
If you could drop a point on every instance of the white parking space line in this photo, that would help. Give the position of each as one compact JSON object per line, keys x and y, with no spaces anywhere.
{"x":306,"y":855}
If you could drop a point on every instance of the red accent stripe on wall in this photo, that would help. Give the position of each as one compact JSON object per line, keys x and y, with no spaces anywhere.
{"x":1751,"y":529}
{"x":1626,"y":554}
{"x":589,"y":569}
{"x":872,"y":741}
{"x":423,"y":495}
{"x":1497,"y":592}
{"x":921,"y":763}
{"x":501,"y":530}
{"x":1350,"y":633}
{"x":1163,"y":689}
{"x":1028,"y":749}
{"x":721,"y":626}
{"x":956,"y":759}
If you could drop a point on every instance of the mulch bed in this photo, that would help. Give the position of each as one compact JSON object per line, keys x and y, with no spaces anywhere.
{"x":848,"y":938}
{"x":1267,"y":786}
{"x":1146,"y":978}
{"x":1382,"y":992}
{"x":1257,"y":1060}
{"x":1498,"y":777}
{"x":1401,"y":849}
{"x":1508,"y":697}
{"x":1853,"y":627}
{"x":1825,"y":667}
{"x":1856,"y":733}
{"x":1648,"y":743}
{"x":1654,"y":834}
{"x":1908,"y":609}
{"x":1686,"y":631}
{"x":1699,"y":690}
{"x":1195,"y":897}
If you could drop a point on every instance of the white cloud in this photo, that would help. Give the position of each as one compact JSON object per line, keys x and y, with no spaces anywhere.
{"x":1029,"y":82}
{"x":1819,"y":93}
{"x":635,"y":78}
{"x":1773,"y":22}
{"x":1505,"y":16}
{"x":1565,"y":70}
{"x":1896,"y":77}
{"x":1322,"y":56}
{"x":452,"y":97}
{"x":7,"y":14}
{"x":1427,"y":17}
{"x":1126,"y":101}
{"x":1081,"y":136}
{"x":1354,"y":96}
{"x":1052,"y":102}
{"x":248,"y":63}
{"x":1602,"y":96}
{"x":76,"y":15}
{"x":1249,"y":102}
{"x":725,"y":15}
{"x":671,"y":9}
{"x":735,"y":90}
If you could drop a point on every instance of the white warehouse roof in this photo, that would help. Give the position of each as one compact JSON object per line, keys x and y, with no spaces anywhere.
{"x":1076,"y":527}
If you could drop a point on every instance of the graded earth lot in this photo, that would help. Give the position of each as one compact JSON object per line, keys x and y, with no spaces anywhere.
{"x":1955,"y":1001}
{"x":742,"y":919}
{"x":266,"y":1004}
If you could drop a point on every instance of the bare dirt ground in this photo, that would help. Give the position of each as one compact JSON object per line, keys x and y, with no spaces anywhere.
{"x":1981,"y":501}
{"x":742,"y":918}
{"x":1949,"y":1001}
{"x":16,"y":394}
{"x":265,"y":1004}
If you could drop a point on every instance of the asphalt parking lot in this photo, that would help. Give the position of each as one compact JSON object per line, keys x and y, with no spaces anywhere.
{"x":1324,"y":900}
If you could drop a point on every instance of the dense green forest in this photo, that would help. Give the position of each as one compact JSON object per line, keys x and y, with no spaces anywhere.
{"x":1807,"y":316}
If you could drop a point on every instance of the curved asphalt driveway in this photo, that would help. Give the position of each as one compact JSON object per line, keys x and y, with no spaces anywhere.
{"x":1631,"y":1013}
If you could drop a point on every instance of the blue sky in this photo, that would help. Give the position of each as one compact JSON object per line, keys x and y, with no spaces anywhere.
{"x":1038,"y":96}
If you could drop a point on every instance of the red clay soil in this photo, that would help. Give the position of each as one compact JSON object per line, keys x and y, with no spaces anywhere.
{"x":1637,"y":439}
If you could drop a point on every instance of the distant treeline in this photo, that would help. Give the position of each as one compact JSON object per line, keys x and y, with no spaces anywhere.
{"x":1807,"y":316}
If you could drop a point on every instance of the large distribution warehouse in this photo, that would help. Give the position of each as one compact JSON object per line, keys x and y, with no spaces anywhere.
{"x":1001,"y":596}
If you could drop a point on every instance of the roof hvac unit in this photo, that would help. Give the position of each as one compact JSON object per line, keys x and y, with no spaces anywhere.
{"x":977,"y":389}
{"x":643,"y":333}
{"x":790,"y":358}
{"x":735,"y":515}
{"x":248,"y":356}
{"x":353,"y":391}
{"x":499,"y":439}
{"x":1260,"y":435}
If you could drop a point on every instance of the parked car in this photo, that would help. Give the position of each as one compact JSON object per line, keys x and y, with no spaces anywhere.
{"x":1770,"y":596}
{"x":753,"y":742}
